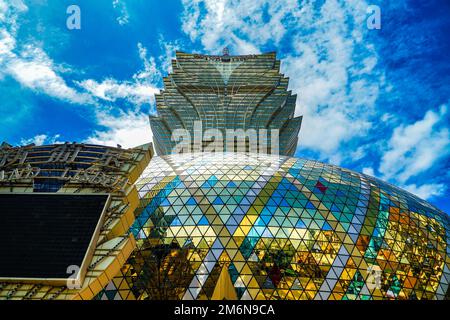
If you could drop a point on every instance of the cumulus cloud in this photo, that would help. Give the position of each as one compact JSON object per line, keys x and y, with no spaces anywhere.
{"x":414,"y":148}
{"x":121,"y":8}
{"x":129,"y":129}
{"x":369,"y":171}
{"x":9,"y":10}
{"x":332,"y":67}
{"x":150,"y":73}
{"x":36,"y":71}
{"x":168,"y":48}
{"x":7,"y":44}
{"x":412,"y":151}
{"x":140,"y":90}
{"x":337,"y":90}
{"x":112,"y":89}
{"x":41,"y":139}
{"x":426,"y":191}
{"x":242,"y":25}
{"x":30,"y":65}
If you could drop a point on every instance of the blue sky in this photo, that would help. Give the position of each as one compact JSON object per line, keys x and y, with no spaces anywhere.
{"x":375,"y":101}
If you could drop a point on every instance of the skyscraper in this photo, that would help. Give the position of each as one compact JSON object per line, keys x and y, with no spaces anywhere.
{"x":226,"y":93}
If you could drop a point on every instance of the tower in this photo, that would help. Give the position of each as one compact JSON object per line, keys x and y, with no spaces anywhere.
{"x":226,"y":93}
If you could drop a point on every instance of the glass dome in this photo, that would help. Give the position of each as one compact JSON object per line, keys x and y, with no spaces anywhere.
{"x":253,"y":226}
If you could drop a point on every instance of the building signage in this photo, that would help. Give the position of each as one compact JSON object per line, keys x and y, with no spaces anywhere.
{"x":65,"y":162}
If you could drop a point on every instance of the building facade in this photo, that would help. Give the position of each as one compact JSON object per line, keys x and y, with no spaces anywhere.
{"x":65,"y":214}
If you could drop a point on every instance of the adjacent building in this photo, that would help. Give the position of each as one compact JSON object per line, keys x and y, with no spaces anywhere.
{"x":65,"y":214}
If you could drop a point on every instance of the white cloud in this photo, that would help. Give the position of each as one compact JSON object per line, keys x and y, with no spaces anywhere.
{"x":30,"y":65}
{"x":8,"y":21}
{"x":9,"y":11}
{"x":41,"y":139}
{"x":150,"y":73}
{"x":369,"y":171}
{"x":337,"y":93}
{"x":169,"y":49}
{"x":111,"y":90}
{"x":387,"y":117}
{"x":414,"y":148}
{"x":426,"y":191}
{"x":35,"y":70}
{"x":229,"y":22}
{"x":359,"y":153}
{"x":127,"y":129}
{"x":139,"y":91}
{"x":121,"y":7}
{"x":7,"y":44}
{"x":131,"y":128}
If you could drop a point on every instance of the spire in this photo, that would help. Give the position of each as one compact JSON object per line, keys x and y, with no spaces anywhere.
{"x":226,"y":51}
